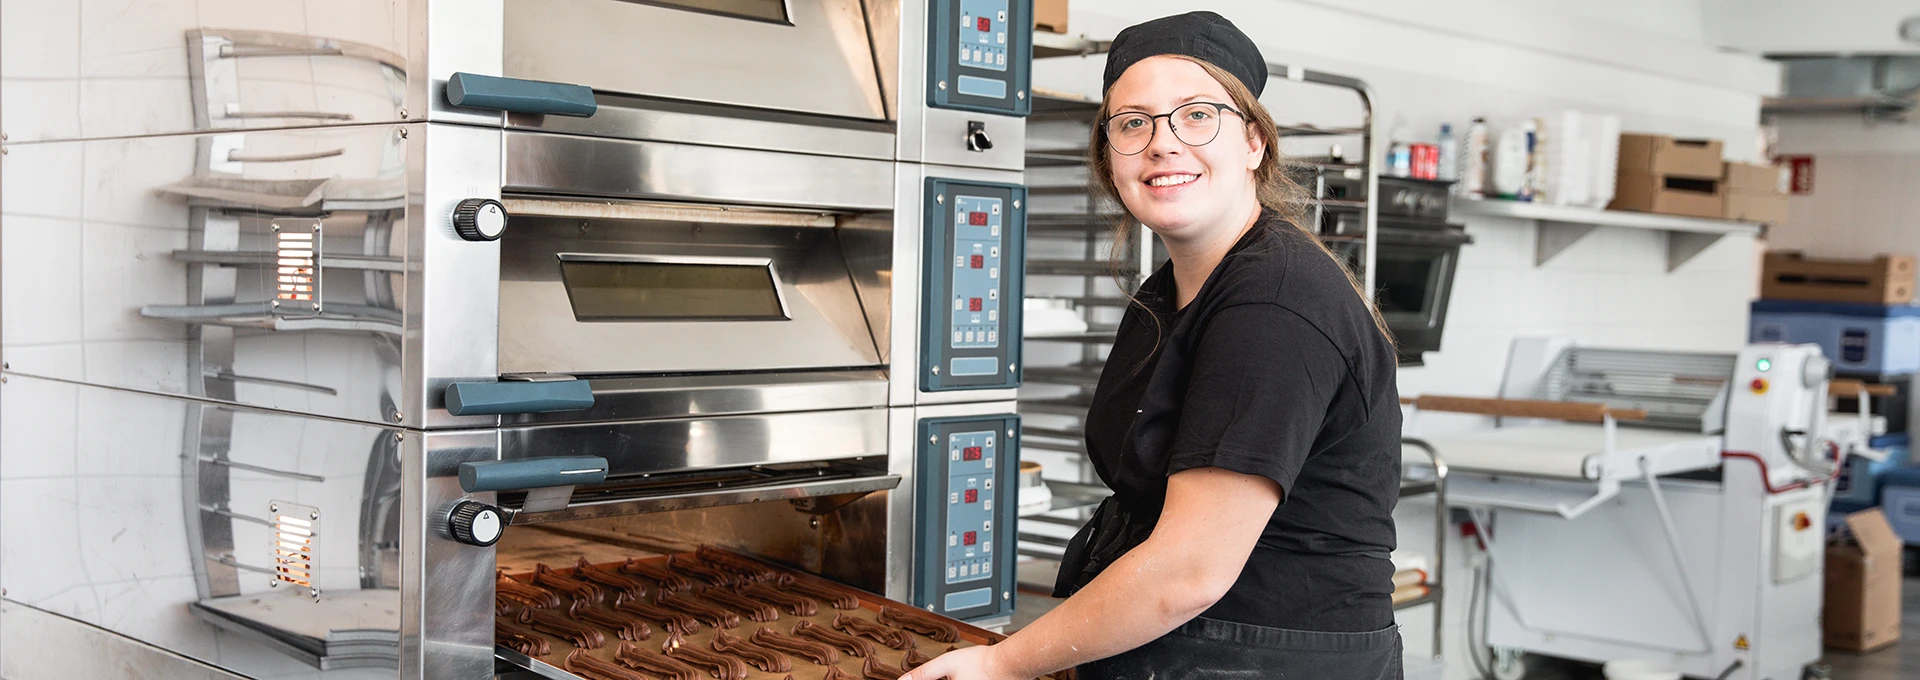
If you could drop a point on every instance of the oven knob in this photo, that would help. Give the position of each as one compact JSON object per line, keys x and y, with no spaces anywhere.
{"x":480,"y":219}
{"x":977,"y":139}
{"x":475,"y":523}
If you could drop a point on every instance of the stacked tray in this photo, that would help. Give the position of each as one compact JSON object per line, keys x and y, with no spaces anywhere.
{"x":710,"y":614}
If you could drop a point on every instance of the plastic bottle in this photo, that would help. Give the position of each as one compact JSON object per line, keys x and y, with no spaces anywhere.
{"x":1399,"y":150}
{"x":1449,"y":154}
{"x":1530,"y":187}
{"x":1510,"y":163}
{"x":1473,"y":163}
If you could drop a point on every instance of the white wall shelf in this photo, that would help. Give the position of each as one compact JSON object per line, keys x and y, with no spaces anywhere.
{"x":1559,"y":227}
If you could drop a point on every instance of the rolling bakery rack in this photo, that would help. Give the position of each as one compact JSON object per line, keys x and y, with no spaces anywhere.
{"x":1083,"y":260}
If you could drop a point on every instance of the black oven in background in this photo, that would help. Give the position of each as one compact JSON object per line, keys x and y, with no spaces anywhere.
{"x":1419,"y":250}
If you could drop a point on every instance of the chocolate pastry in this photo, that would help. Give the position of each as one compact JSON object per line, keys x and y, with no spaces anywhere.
{"x":746,"y":567}
{"x":624,"y":626}
{"x":919,"y":622}
{"x":874,"y":670}
{"x":834,"y":673}
{"x":520,"y":640}
{"x":842,"y":641}
{"x":801,"y":647}
{"x":706,"y":572}
{"x":758,"y":656}
{"x":915,"y":658}
{"x":530,"y":595}
{"x":505,"y":606}
{"x":655,"y":663}
{"x":552,"y":623}
{"x":671,"y":621}
{"x":609,"y":579}
{"x":838,"y":599}
{"x":708,"y":614}
{"x":877,"y":632}
{"x":579,"y":663}
{"x":797,"y":605}
{"x":754,"y":609}
{"x":658,"y":574}
{"x":544,"y":575}
{"x":720,"y":666}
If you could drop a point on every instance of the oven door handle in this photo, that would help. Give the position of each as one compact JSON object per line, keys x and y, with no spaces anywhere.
{"x":513,"y":397}
{"x":516,"y":95}
{"x":532,"y":473}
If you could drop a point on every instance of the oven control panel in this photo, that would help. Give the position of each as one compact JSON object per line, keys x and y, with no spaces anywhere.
{"x":965,"y":519}
{"x":976,"y":233}
{"x":981,"y":54}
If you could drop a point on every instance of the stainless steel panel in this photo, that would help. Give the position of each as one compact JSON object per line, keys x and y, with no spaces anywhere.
{"x":453,"y":283}
{"x":692,"y":500}
{"x":146,"y":263}
{"x":447,"y":624}
{"x":92,"y":71}
{"x":649,"y":398}
{"x":657,"y":120}
{"x":656,"y":447}
{"x":944,"y":140}
{"x":455,"y":36}
{"x":821,"y":63}
{"x":579,"y":166}
{"x":108,"y":537}
{"x":539,"y":332}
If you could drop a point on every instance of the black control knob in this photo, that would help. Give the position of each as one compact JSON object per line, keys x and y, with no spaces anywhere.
{"x":476,"y":523}
{"x":480,"y":219}
{"x":977,"y":139}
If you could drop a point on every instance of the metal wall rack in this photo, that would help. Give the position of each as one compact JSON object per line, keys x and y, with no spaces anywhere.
{"x":1057,"y":394}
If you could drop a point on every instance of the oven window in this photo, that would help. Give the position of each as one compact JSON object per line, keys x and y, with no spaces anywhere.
{"x":608,"y":289}
{"x":759,"y":10}
{"x":1406,"y":284}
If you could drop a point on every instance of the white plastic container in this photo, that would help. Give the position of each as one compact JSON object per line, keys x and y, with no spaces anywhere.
{"x":1603,"y":132}
{"x":1510,"y":160}
{"x":1473,"y":162}
{"x":1635,"y":669}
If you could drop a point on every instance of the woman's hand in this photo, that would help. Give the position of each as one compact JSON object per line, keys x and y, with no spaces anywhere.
{"x":970,"y":663}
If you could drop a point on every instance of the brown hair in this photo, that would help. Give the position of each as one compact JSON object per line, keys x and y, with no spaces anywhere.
{"x":1276,"y":191}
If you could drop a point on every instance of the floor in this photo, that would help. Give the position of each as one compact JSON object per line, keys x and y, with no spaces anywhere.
{"x":1898,"y":662}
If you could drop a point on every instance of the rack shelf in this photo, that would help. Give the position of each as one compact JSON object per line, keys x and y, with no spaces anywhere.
{"x":1560,"y":226}
{"x":1047,"y":45}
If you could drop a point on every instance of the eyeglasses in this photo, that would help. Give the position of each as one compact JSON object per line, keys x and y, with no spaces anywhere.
{"x":1194,"y":124}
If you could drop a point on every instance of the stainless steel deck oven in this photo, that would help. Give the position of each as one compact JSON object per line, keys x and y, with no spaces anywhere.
{"x":301,"y":303}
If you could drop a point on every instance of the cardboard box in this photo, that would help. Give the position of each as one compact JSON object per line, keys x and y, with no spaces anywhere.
{"x":1862,"y":611}
{"x":1050,"y":16}
{"x":1668,"y":194}
{"x":1658,"y":155}
{"x":1753,"y":178}
{"x":1884,"y":280}
{"x":1763,"y":208}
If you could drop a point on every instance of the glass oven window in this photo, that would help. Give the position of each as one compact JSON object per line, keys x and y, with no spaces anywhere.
{"x":616,"y":288}
{"x":774,"y":11}
{"x":1407,"y":283}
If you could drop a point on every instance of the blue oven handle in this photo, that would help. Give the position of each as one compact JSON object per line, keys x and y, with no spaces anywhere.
{"x":515,"y":397}
{"x":475,"y":91}
{"x":532,"y":473}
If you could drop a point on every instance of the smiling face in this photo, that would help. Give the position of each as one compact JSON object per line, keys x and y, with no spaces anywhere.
{"x":1184,"y":192}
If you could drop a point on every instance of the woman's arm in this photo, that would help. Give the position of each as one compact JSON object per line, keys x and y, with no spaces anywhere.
{"x":1206,"y":532}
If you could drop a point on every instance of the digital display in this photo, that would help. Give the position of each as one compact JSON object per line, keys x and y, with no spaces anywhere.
{"x":978,"y":219}
{"x":970,"y":453}
{"x":670,"y":291}
{"x":973,"y":495}
{"x":978,"y":262}
{"x":969,"y":538}
{"x":973,"y":304}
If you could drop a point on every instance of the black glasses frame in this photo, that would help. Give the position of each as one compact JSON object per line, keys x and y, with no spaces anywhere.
{"x":1154,"y":120}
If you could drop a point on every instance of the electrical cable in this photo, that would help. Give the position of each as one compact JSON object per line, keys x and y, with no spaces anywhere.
{"x":1729,"y":671}
{"x":1476,"y":646}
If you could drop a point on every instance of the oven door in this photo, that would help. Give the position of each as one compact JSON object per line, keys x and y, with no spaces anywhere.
{"x":1413,"y":276}
{"x":804,"y":56}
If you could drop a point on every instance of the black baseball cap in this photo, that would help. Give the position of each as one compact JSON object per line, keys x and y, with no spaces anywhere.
{"x":1202,"y":35}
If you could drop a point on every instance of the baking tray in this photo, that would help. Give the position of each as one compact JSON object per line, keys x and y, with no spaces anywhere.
{"x":868,"y":607}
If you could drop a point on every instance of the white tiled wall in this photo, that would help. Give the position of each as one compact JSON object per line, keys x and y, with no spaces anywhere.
{"x":1866,"y":188}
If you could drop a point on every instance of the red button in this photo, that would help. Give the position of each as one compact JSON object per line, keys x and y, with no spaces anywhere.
{"x":984,"y":24}
{"x":979,"y":262}
{"x":1759,"y":385}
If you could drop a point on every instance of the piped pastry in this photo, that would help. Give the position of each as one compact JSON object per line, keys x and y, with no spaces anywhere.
{"x":720,"y":666}
{"x":624,"y":626}
{"x":520,"y":640}
{"x":706,"y":613}
{"x":547,"y":577}
{"x":801,"y":647}
{"x":530,"y":595}
{"x":841,"y":641}
{"x":654,"y":663}
{"x":665,"y":578}
{"x":574,"y":632}
{"x":919,"y":622}
{"x":797,"y":605}
{"x":872,"y":630}
{"x":581,"y":664}
{"x":669,"y":620}
{"x":755,"y":610}
{"x":609,"y":579}
{"x":758,"y":656}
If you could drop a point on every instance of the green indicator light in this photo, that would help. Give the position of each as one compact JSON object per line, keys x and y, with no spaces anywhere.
{"x":1764,"y":365}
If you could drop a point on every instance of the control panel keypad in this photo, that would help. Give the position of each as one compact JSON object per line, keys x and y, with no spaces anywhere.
{"x":983,"y":34}
{"x":976,"y":272}
{"x":970,"y":496}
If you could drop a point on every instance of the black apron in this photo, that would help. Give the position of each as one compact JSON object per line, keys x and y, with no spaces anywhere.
{"x":1206,"y":649}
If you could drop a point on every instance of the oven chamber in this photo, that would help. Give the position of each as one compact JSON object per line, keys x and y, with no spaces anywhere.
{"x":232,"y":322}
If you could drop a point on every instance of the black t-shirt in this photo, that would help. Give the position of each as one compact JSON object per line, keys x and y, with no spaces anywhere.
{"x":1274,"y":369}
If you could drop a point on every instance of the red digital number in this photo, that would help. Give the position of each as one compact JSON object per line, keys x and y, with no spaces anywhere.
{"x":969,"y":538}
{"x":979,"y":262}
{"x":984,"y":24}
{"x":978,"y":219}
{"x":973,"y":304}
{"x":971,"y":453}
{"x":973,"y":495}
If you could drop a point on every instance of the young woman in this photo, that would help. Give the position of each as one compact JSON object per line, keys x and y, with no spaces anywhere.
{"x":1247,"y":420}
